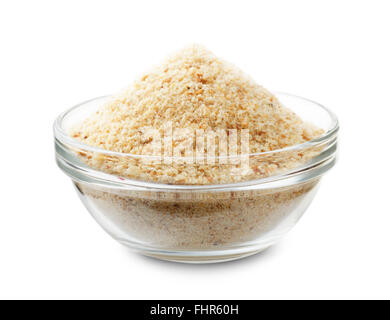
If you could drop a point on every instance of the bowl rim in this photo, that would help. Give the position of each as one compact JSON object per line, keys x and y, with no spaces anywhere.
{"x":292,"y":176}
{"x":64,"y":137}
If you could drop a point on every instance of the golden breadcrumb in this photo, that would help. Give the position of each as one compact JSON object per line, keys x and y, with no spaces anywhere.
{"x":195,"y":90}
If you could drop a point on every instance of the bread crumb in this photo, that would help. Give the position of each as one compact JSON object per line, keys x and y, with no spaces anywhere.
{"x":195,"y":90}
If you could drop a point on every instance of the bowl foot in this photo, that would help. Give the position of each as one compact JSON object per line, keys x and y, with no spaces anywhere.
{"x":201,"y":259}
{"x":199,"y":256}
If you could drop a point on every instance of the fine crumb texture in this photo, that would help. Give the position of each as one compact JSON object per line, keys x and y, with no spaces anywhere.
{"x":198,"y":222}
{"x":195,"y":90}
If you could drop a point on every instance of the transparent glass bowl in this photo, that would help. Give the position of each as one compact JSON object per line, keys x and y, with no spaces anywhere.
{"x":200,"y":223}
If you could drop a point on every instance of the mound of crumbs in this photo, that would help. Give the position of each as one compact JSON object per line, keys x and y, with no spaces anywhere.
{"x":196,"y":91}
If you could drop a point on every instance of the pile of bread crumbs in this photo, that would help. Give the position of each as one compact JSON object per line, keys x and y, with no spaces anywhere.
{"x":195,"y":90}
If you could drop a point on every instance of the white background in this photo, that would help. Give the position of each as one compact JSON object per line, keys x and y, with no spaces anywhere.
{"x":55,"y":54}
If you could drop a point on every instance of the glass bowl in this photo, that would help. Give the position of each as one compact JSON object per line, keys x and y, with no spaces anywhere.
{"x":199,"y":223}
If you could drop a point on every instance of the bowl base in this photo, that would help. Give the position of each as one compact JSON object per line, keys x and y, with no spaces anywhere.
{"x":199,"y":256}
{"x":201,"y":259}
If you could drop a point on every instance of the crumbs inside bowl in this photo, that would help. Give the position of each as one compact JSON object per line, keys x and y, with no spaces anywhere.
{"x":194,"y":106}
{"x":199,"y":221}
